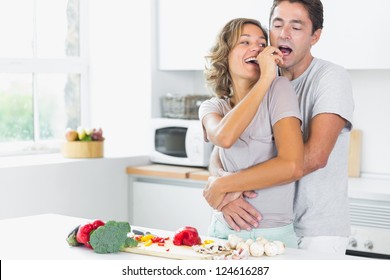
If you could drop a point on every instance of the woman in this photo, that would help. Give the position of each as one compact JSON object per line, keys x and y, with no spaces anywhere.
{"x":254,"y":119}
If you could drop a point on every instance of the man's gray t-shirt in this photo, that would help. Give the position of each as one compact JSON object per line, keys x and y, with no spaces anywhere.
{"x":321,"y":199}
{"x":256,"y":145}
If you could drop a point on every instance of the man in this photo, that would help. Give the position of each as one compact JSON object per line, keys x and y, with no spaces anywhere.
{"x":326,"y":103}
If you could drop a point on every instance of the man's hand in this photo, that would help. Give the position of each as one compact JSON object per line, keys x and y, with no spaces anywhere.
{"x":229,"y":197}
{"x":211,"y":192}
{"x":239,"y":214}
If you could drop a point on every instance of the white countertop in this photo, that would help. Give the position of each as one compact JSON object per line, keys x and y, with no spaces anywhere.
{"x":43,"y":237}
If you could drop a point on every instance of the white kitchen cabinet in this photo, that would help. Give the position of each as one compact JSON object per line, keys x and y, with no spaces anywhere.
{"x":168,"y":204}
{"x":354,"y":33}
{"x":187,"y":29}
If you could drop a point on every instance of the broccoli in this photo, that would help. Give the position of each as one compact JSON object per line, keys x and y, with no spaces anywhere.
{"x":131,"y":242}
{"x":110,"y":238}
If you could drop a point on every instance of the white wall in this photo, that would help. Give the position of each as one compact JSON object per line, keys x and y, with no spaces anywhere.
{"x":120,"y":85}
{"x":371,"y":89}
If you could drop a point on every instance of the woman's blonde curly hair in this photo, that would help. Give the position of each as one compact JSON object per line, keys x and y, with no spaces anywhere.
{"x":217,"y":74}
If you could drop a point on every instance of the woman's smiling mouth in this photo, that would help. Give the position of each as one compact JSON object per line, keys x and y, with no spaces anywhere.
{"x":252,"y":60}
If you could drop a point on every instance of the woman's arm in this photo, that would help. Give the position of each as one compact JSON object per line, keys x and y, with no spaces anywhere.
{"x":286,"y":167}
{"x":223,"y":131}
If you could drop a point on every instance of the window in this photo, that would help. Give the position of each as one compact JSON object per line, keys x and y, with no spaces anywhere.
{"x":43,"y":73}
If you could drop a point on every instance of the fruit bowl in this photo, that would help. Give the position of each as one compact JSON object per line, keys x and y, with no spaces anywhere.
{"x":83,"y":149}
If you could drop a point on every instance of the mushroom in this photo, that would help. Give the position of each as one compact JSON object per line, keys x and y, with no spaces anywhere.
{"x":242,"y":245}
{"x":281,"y":247}
{"x":240,"y":254}
{"x":249,"y":241}
{"x":262,"y":240}
{"x":256,"y":249}
{"x":233,"y":240}
{"x":271,"y":249}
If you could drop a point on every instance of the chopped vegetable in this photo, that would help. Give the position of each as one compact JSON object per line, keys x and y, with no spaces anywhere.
{"x":147,"y":237}
{"x":158,"y":239}
{"x":207,"y":241}
{"x":242,"y":245}
{"x":233,"y":240}
{"x":137,"y":237}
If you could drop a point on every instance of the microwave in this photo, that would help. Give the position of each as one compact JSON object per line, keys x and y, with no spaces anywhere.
{"x":179,"y":142}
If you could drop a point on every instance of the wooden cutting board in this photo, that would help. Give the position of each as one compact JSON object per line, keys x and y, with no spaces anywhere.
{"x":354,"y":157}
{"x":169,"y":251}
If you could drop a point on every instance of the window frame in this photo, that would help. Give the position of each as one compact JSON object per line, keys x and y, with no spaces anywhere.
{"x":33,"y":66}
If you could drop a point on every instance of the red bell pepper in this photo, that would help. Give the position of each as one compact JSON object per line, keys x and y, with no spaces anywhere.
{"x":83,"y":234}
{"x":187,"y":236}
{"x":85,"y":231}
{"x":97,"y":223}
{"x":157,"y":239}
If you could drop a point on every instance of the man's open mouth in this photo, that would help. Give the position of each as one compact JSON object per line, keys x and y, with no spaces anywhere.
{"x":285,"y":50}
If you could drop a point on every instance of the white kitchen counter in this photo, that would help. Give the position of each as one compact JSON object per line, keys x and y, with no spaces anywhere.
{"x":43,"y":237}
